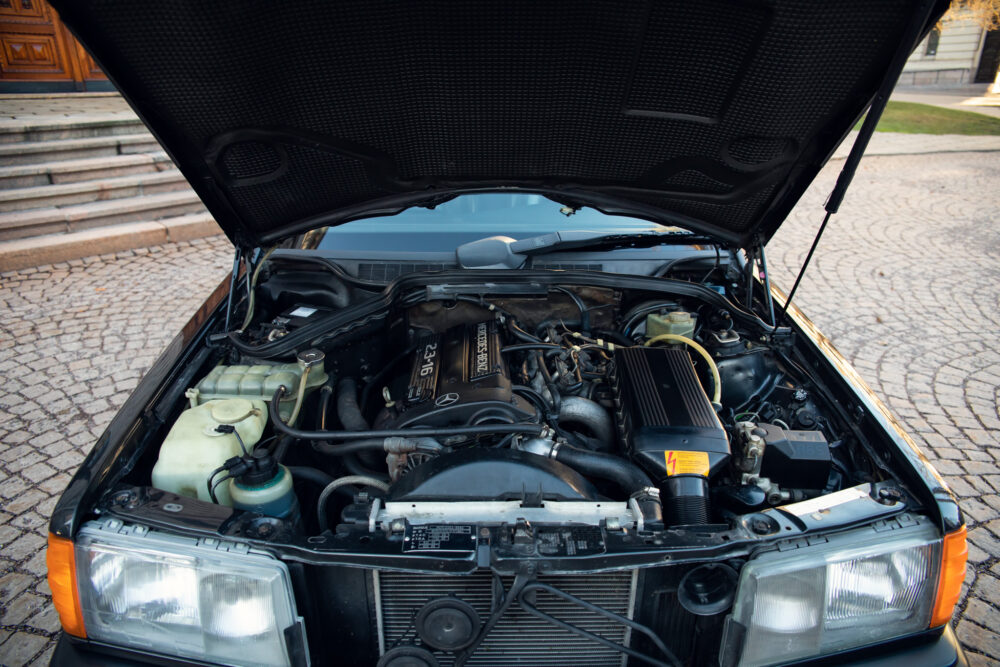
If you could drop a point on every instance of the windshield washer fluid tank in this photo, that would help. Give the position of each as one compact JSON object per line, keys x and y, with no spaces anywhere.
{"x":193,"y":448}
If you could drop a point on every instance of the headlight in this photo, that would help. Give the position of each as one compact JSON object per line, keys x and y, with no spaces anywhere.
{"x":170,"y":595}
{"x":856,"y":588}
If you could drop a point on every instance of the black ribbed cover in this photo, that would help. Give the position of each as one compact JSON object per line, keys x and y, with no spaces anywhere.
{"x":662,"y":388}
{"x":661,"y":406}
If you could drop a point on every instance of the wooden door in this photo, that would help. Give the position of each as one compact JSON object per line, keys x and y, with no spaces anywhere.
{"x":37,"y":52}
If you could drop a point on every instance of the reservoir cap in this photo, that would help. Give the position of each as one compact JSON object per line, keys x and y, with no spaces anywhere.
{"x":232,"y":410}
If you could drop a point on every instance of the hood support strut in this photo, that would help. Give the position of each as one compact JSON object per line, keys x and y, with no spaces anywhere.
{"x":913,"y":33}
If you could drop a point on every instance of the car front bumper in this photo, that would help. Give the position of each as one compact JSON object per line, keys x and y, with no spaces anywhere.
{"x":926,"y":650}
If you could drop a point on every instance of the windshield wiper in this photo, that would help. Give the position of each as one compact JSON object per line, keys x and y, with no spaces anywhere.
{"x":503,"y":251}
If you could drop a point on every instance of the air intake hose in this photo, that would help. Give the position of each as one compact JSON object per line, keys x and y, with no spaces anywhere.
{"x":624,"y":473}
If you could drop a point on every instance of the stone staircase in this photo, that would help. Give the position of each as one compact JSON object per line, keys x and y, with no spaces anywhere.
{"x":78,"y":185}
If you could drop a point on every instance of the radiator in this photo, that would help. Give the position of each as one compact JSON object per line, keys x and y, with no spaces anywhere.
{"x":519,"y":638}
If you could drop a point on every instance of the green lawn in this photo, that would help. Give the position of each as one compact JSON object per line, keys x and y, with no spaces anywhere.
{"x":913,"y":118}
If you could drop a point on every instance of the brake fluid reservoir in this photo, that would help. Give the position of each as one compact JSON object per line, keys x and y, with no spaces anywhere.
{"x":678,"y":323}
{"x":193,"y":448}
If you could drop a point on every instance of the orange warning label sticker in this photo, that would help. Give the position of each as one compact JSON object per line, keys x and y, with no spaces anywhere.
{"x":686,"y":463}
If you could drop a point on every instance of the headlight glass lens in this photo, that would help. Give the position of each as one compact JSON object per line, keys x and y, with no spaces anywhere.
{"x":856,"y":589}
{"x":168,"y":595}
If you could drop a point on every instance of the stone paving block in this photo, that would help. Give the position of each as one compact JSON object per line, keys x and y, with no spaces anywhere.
{"x":21,"y":647}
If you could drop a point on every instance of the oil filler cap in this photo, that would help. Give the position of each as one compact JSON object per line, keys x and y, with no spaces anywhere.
{"x":448,"y":624}
{"x":708,"y":589}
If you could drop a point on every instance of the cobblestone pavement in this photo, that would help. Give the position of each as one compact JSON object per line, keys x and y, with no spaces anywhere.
{"x":906,"y":282}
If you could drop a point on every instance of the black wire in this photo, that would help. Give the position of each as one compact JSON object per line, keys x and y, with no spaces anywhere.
{"x":265,"y":443}
{"x":208,"y":484}
{"x":520,"y":333}
{"x":578,"y":302}
{"x":211,"y":490}
{"x":240,"y":440}
{"x":527,"y":606}
{"x":463,"y":656}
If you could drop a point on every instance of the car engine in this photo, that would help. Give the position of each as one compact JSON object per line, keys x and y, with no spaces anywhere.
{"x":574,"y":426}
{"x":578,"y":395}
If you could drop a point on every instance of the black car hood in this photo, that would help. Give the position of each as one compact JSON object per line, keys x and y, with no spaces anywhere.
{"x":286,"y":116}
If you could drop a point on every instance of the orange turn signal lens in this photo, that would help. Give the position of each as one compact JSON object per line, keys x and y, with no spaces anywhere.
{"x":61,"y":560}
{"x":953,"y":558}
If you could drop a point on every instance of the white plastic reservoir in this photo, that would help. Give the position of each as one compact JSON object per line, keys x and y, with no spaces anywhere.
{"x":193,"y":448}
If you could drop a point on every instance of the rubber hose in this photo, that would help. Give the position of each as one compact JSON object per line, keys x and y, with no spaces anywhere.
{"x":716,"y":380}
{"x":299,"y":397}
{"x":324,"y":404}
{"x":345,"y":481}
{"x":435,"y":432}
{"x":355,"y":466}
{"x":625,"y":474}
{"x":307,"y":474}
{"x":579,"y":410}
{"x":348,"y":409}
{"x":284,"y":442}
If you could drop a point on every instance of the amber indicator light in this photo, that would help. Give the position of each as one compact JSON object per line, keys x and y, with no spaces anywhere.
{"x":953,"y":557}
{"x":61,"y":560}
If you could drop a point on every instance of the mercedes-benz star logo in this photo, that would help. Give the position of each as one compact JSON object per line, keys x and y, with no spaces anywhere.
{"x":446,"y":399}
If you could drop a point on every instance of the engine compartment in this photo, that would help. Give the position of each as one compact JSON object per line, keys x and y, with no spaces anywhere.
{"x":563,"y":404}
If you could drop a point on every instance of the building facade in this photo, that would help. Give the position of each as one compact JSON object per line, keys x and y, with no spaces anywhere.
{"x":959,"y":52}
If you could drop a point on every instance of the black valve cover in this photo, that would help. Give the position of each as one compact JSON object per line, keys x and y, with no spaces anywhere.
{"x":460,"y":377}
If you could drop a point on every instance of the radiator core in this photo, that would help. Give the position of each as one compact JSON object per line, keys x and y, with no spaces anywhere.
{"x":518,"y":638}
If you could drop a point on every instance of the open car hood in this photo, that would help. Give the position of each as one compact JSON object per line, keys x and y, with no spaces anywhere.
{"x":711,"y":115}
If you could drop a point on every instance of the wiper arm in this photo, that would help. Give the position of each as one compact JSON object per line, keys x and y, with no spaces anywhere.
{"x":503,"y":251}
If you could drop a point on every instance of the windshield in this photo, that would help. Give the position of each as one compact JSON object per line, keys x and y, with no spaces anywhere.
{"x":468,"y":218}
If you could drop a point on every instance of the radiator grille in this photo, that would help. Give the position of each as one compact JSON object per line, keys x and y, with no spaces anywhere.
{"x":519,"y":638}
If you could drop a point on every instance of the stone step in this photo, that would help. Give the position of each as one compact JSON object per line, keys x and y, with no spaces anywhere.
{"x":24,"y":224}
{"x":53,"y":248}
{"x":68,"y":194}
{"x":76,"y":126}
{"x":37,"y":152}
{"x":88,"y":169}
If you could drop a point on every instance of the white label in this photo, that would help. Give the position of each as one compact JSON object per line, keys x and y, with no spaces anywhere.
{"x":302,"y":311}
{"x":826,"y":502}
